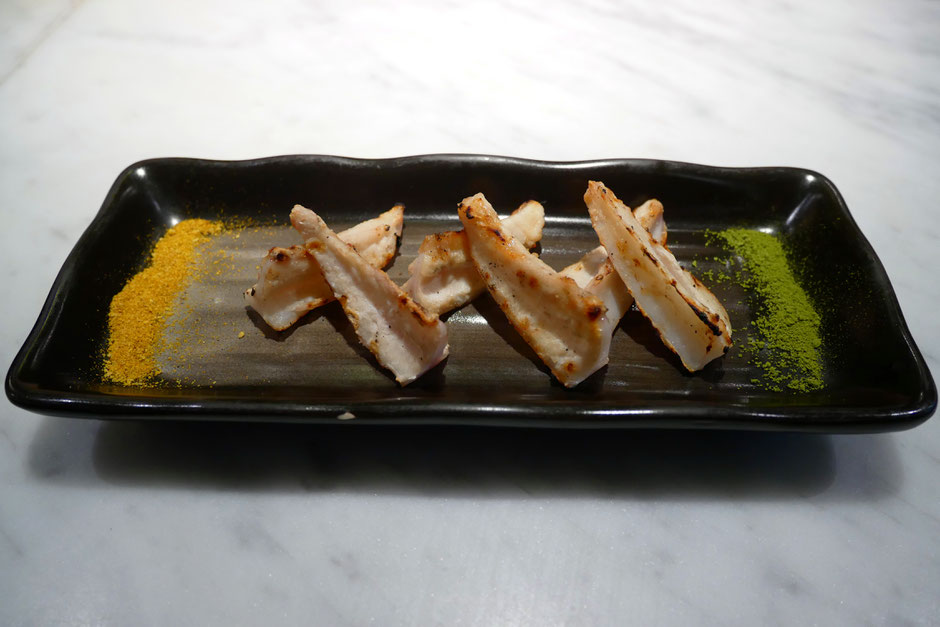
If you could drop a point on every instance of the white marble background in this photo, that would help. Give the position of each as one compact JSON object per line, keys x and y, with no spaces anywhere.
{"x":121,"y":524}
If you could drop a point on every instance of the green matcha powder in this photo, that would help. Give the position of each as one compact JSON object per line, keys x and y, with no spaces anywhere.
{"x":784,"y":339}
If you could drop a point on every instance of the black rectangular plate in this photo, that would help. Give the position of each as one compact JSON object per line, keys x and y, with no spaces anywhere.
{"x":876,"y":379}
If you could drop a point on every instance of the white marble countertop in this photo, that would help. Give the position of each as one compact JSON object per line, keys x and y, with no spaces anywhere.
{"x":120,"y":524}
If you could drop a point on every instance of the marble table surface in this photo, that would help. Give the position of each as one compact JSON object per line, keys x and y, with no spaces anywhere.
{"x":131,"y":524}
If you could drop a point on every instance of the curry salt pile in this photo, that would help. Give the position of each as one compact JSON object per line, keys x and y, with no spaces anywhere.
{"x":139,"y":312}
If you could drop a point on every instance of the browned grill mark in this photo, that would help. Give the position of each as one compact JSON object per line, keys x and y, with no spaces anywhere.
{"x":651,"y":257}
{"x":714,"y":328}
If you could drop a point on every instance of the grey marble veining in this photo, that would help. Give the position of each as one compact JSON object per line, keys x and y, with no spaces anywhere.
{"x":104,"y":523}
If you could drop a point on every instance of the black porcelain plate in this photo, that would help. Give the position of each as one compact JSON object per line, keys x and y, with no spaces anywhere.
{"x":875,"y":378}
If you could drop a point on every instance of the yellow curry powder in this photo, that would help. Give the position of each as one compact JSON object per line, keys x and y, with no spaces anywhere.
{"x":139,"y":312}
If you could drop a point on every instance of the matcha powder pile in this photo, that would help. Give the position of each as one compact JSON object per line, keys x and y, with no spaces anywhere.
{"x":785,"y":336}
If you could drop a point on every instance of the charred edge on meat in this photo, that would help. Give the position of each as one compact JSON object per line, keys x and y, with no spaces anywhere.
{"x":712,"y":326}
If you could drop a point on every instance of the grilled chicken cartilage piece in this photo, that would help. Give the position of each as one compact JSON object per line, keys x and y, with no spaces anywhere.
{"x":290,"y":282}
{"x":650,"y":215}
{"x":596,"y":274}
{"x":689,"y":319}
{"x":564,"y":324}
{"x":443,"y":277}
{"x":403,"y":337}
